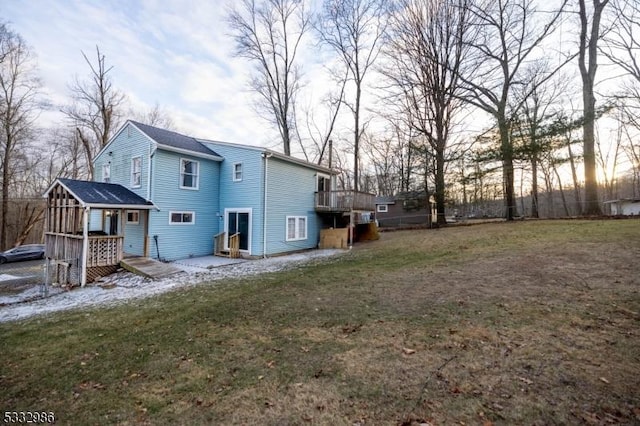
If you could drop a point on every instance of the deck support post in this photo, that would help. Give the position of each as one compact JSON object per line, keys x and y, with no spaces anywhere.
{"x":85,"y":245}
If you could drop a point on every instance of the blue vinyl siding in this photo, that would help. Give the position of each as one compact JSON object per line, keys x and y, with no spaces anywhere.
{"x":134,"y":235}
{"x":179,"y":241}
{"x":244,"y":194}
{"x":290,"y":192}
{"x":128,"y":143}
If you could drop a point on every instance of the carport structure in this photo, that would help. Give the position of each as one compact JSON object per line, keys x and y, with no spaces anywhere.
{"x":75,"y":254}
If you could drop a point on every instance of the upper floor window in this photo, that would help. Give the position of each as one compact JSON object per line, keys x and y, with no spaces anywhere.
{"x":106,"y":173}
{"x":237,"y":172}
{"x":136,"y":172}
{"x":383,"y":208}
{"x":189,"y":174}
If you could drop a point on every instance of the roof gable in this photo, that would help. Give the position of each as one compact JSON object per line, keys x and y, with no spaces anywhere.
{"x":93,"y":194}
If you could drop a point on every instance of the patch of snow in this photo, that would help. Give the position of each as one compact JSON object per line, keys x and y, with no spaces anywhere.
{"x":7,"y":277}
{"x":123,"y":286}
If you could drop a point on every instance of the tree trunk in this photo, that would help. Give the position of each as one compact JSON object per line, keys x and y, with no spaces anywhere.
{"x":588,"y":64}
{"x":440,"y":189}
{"x":506,"y":151}
{"x":356,"y":140}
{"x":534,"y":186}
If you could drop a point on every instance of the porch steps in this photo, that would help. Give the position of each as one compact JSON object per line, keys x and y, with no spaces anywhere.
{"x":148,"y":267}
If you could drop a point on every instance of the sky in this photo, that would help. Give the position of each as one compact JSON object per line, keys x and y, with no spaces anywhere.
{"x":174,"y":53}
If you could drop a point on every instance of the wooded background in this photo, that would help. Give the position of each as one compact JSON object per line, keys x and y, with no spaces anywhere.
{"x":490,"y":107}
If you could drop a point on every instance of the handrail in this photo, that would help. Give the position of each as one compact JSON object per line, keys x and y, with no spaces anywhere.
{"x":344,"y":200}
{"x":234,"y":245}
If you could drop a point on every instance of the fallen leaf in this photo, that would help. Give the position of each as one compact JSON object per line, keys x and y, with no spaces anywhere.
{"x":602,"y":379}
{"x":260,"y":377}
{"x":408,"y":351}
{"x":525,"y":380}
{"x":271,"y":363}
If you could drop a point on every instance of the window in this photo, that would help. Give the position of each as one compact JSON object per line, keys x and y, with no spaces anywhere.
{"x":106,"y":173}
{"x":133,"y":217}
{"x":383,"y":208}
{"x":237,"y":172}
{"x":182,"y":218}
{"x":296,"y":228}
{"x":136,"y":171}
{"x":189,"y":174}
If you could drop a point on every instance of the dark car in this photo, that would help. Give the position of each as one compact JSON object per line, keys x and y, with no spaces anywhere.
{"x":25,"y":252}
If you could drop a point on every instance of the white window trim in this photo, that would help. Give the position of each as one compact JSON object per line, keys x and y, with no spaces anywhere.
{"x":106,"y":167}
{"x":382,"y":208}
{"x":233,"y":172}
{"x":297,"y":228}
{"x":192,"y":213}
{"x":134,"y":185}
{"x":133,"y":222}
{"x":197,"y":175}
{"x":319,"y":175}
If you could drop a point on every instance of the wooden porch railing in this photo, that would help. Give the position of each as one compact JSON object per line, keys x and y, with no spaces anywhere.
{"x":344,"y":201}
{"x":218,"y":244}
{"x":234,"y":245}
{"x":103,"y":250}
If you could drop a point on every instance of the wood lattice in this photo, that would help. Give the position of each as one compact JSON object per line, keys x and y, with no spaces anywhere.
{"x":96,"y":272}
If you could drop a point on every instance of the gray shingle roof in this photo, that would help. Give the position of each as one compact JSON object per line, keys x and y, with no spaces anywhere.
{"x":173,"y":139}
{"x":385,"y":200}
{"x":103,"y":193}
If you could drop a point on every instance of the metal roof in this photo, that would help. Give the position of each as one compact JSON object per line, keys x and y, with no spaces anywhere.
{"x":100,"y":194}
{"x":171,"y":139}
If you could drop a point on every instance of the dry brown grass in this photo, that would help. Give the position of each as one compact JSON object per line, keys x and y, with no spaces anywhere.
{"x":527,"y":323}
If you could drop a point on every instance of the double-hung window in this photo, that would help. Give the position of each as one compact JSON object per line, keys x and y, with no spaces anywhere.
{"x":136,"y":172}
{"x":189,"y":170}
{"x":237,"y":172}
{"x":296,"y":228}
{"x":106,"y":173}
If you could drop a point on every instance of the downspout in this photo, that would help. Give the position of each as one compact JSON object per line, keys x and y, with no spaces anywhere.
{"x":266,"y":157}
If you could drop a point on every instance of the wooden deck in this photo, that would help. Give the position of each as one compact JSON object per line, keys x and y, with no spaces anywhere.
{"x":148,"y":267}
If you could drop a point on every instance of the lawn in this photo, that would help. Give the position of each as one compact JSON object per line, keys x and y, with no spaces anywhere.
{"x":508,"y":323}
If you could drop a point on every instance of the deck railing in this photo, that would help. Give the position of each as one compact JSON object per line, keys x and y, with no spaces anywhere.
{"x":344,"y":201}
{"x":104,"y":250}
{"x":234,"y":245}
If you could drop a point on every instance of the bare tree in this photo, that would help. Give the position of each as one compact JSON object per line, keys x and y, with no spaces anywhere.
{"x":155,"y":116}
{"x":18,"y":92}
{"x":95,"y":112}
{"x":508,"y":33}
{"x":269,"y":35}
{"x":425,"y":49}
{"x":535,"y":122}
{"x":588,"y":64}
{"x":354,"y":29}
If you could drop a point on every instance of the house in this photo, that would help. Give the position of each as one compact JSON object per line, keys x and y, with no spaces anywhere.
{"x":624,"y":206}
{"x":196,"y":197}
{"x":406,"y":208}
